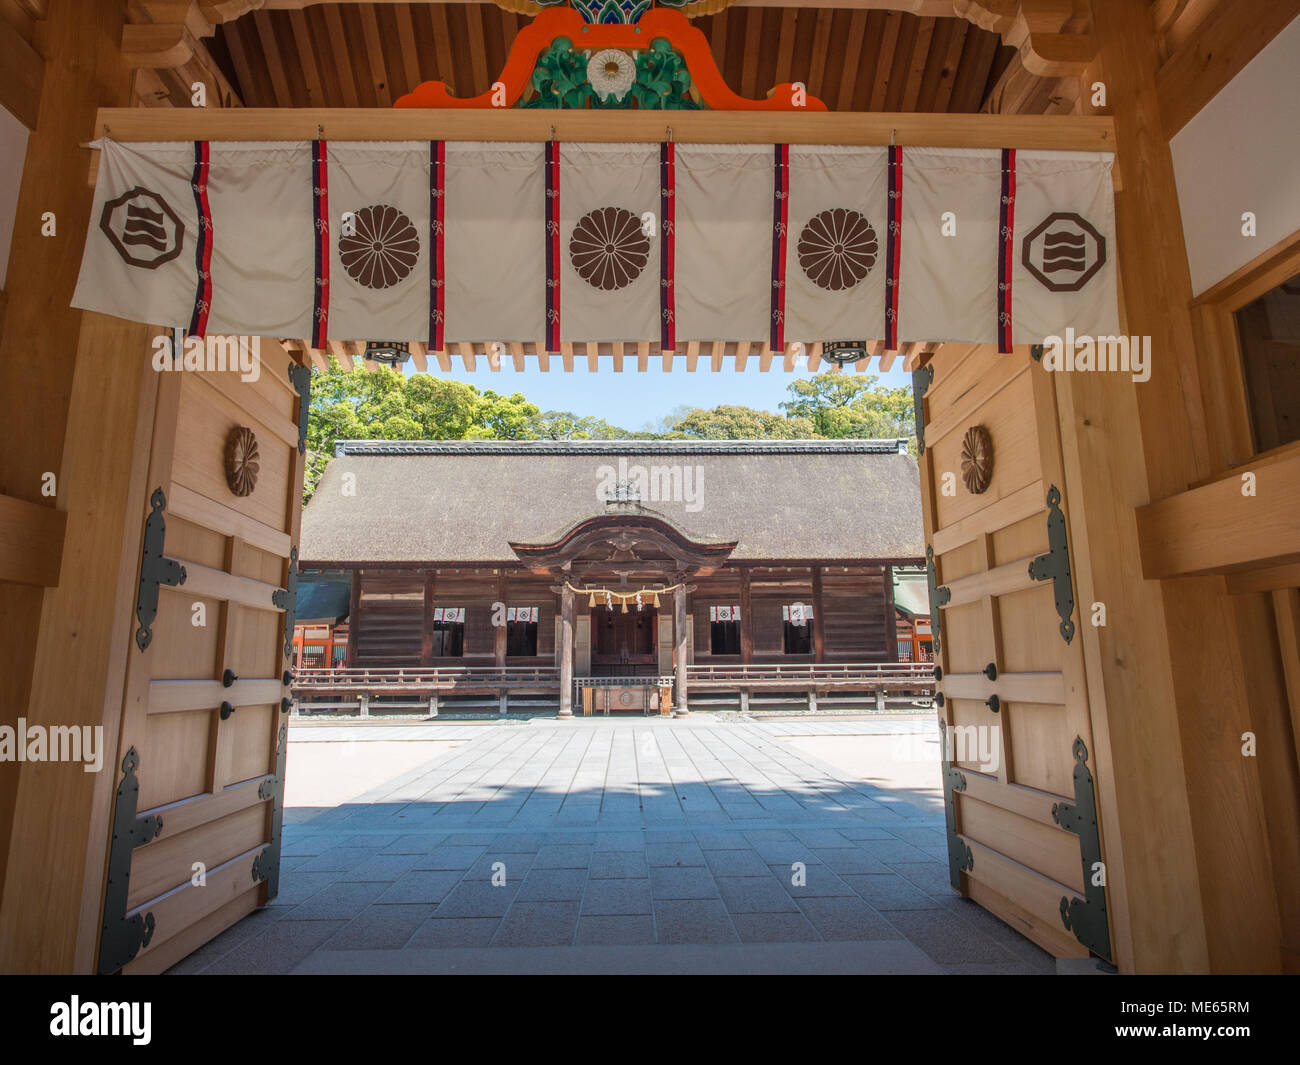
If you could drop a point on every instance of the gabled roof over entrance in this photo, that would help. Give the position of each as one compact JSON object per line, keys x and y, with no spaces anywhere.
{"x":467,"y":501}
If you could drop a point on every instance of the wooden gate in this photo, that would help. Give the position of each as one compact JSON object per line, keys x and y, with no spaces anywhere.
{"x":200,"y":765}
{"x":1023,"y":824}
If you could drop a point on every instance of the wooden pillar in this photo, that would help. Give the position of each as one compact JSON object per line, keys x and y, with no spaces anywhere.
{"x":566,"y":651}
{"x":426,"y":630}
{"x":891,"y":618}
{"x":499,"y":634}
{"x":1179,"y":800}
{"x":819,"y":623}
{"x":354,"y":619}
{"x":681,"y":709}
{"x":746,"y":621}
{"x":74,"y":390}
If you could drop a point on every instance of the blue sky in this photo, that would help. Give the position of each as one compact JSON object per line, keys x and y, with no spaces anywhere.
{"x":631,"y":399}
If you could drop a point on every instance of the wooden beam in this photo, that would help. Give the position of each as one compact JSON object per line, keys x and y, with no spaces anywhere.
{"x":692,"y":355}
{"x":642,"y":356}
{"x":22,"y":73}
{"x":742,"y":354}
{"x":1217,"y":527}
{"x":1230,"y":37}
{"x":1064,"y":132}
{"x":618,"y":356}
{"x":31,"y":542}
{"x":715,"y":356}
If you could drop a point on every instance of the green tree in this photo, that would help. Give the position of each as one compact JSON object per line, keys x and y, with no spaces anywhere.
{"x":843,"y":406}
{"x":383,"y":404}
{"x":740,"y":423}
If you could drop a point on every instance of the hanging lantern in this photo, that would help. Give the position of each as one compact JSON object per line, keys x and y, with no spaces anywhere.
{"x":388,"y":352}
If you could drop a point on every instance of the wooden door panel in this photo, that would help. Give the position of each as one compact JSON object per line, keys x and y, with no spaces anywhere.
{"x":1014,"y":690}
{"x":203,"y":711}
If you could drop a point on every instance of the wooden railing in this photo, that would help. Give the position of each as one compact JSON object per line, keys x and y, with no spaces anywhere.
{"x":868,"y":674}
{"x":407,"y":678}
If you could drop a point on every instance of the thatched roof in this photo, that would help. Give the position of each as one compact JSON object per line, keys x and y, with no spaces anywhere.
{"x":465,"y":501}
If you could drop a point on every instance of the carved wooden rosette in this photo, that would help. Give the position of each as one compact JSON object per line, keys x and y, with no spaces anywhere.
{"x":241,"y":460}
{"x":977,"y":459}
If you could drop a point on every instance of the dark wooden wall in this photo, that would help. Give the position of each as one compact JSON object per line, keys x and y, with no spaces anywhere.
{"x":392,"y":614}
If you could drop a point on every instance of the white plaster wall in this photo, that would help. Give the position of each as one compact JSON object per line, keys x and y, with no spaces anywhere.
{"x":13,"y":150}
{"x":1242,"y":153}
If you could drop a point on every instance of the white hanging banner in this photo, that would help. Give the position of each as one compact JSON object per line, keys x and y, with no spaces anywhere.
{"x":722,"y":276}
{"x":835,"y":248}
{"x":609,"y":241}
{"x":547,"y":243}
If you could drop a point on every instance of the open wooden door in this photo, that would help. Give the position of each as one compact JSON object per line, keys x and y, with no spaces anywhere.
{"x":1024,"y":836}
{"x":199,"y":789}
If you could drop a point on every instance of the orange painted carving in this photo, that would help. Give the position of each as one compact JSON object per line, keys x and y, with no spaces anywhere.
{"x":537,"y":36}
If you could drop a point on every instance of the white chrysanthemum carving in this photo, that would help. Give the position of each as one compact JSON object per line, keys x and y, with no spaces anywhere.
{"x":611,"y":73}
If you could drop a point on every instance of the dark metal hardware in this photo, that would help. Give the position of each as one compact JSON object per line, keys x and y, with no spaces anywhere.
{"x":300,"y":378}
{"x":286,"y":678}
{"x":960,"y":858}
{"x":155,"y":569}
{"x":286,"y":705}
{"x":228,"y":678}
{"x":922,"y":378}
{"x":122,"y":937}
{"x":1085,"y":917}
{"x":938,"y":699}
{"x":993,"y":703}
{"x":991,"y":671}
{"x":226,"y":710}
{"x":1036,"y":352}
{"x":938,"y":672}
{"x":287,"y":600}
{"x":936,"y":599}
{"x":1055,"y":565}
{"x":266,"y":866}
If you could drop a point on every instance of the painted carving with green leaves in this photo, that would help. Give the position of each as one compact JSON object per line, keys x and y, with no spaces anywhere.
{"x":653,"y":78}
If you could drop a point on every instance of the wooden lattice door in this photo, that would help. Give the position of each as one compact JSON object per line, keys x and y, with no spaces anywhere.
{"x":1019,"y":761}
{"x":200,"y":765}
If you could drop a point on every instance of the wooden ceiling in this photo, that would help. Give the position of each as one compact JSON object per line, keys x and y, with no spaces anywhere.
{"x":367,"y":55}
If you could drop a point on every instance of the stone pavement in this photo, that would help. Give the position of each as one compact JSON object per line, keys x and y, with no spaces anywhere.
{"x":621,"y":845}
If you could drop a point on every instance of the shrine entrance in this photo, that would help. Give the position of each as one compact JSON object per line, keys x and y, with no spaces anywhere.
{"x":623,"y":642}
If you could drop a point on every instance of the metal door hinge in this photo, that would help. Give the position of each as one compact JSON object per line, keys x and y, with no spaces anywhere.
{"x":939,"y":596}
{"x":1055,"y":565}
{"x":122,"y":937}
{"x":1085,"y":917}
{"x":266,"y":866}
{"x":921,"y":381}
{"x":286,"y":599}
{"x":960,"y":857}
{"x":155,"y":569}
{"x":300,"y":378}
